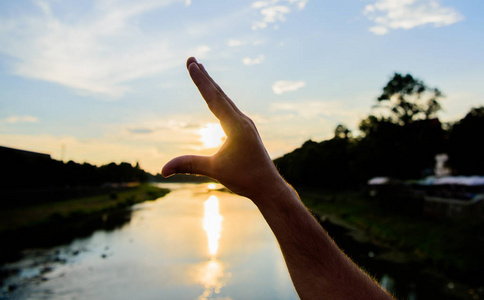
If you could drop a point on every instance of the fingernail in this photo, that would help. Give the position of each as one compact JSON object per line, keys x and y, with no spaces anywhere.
{"x":191,"y":60}
{"x":195,"y":64}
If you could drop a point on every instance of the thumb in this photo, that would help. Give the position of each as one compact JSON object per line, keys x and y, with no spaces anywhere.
{"x":188,"y":164}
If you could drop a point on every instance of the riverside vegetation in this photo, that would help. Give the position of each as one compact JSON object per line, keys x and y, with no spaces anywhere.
{"x":450,"y":246}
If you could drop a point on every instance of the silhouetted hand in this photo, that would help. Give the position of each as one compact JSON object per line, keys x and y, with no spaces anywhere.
{"x":242,"y":164}
{"x":317,"y":267}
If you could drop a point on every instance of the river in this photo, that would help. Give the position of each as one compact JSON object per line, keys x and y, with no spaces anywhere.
{"x":194,"y":243}
{"x":197,"y":242}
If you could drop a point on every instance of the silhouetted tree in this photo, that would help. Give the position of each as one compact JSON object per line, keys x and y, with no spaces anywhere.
{"x":466,"y":148}
{"x":369,"y":125}
{"x":342,"y":132}
{"x":377,"y":153}
{"x":410,"y":99}
{"x":324,"y":164}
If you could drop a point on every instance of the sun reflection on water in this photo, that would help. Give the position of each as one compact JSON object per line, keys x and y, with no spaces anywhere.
{"x":212,"y":276}
{"x":212,"y":224}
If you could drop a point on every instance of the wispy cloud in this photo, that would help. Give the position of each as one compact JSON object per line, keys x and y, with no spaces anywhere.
{"x":275,"y":11}
{"x":140,"y":130}
{"x":407,"y":14}
{"x":201,"y":51}
{"x":152,"y":142}
{"x":20,"y":119}
{"x":89,"y":53}
{"x":234,"y":43}
{"x":318,"y":119}
{"x":282,"y":86}
{"x":253,"y":61}
{"x":313,"y":109}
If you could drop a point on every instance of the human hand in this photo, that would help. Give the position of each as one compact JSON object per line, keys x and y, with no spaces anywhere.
{"x":242,"y":164}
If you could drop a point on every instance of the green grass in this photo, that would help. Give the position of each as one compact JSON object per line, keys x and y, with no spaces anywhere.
{"x":449,"y":244}
{"x":33,"y":215}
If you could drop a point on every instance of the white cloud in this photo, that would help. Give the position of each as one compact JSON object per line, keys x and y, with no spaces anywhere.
{"x":407,"y":14}
{"x":20,"y":119}
{"x":379,"y":30}
{"x":234,"y":43}
{"x":253,"y":61}
{"x":282,"y":86}
{"x":201,"y":51}
{"x":188,"y":2}
{"x":97,"y":53}
{"x":275,"y":11}
{"x":301,"y":4}
{"x":260,"y":4}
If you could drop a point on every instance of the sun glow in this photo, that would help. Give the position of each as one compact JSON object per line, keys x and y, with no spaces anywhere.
{"x":212,"y":224}
{"x":211,"y":135}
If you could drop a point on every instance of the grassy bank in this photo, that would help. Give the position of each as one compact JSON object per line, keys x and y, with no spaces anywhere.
{"x":59,"y":222}
{"x":33,"y":215}
{"x":452,"y":246}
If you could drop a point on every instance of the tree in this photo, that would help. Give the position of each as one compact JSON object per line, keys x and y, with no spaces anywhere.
{"x":371,"y":124}
{"x":465,"y":144}
{"x":342,"y":132}
{"x":410,"y":99}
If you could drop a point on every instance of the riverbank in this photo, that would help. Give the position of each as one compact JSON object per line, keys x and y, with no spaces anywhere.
{"x":451,"y":247}
{"x":58,"y":222}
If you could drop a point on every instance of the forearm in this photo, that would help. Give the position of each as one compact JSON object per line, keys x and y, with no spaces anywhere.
{"x":319,"y":270}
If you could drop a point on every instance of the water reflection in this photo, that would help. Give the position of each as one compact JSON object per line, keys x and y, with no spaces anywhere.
{"x":212,"y":275}
{"x":213,"y":278}
{"x":212,"y":224}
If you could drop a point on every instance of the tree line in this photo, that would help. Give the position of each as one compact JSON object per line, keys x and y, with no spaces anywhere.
{"x":27,"y":170}
{"x":401,"y":141}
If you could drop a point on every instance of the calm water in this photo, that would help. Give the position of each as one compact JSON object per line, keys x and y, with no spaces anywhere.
{"x":195,"y":243}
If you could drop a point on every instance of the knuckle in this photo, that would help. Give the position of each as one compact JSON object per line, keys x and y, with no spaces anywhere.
{"x":247,"y":124}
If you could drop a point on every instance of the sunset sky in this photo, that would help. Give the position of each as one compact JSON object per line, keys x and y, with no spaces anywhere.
{"x":101,"y":81}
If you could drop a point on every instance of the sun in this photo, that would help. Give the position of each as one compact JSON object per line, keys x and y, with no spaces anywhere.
{"x":211,"y":135}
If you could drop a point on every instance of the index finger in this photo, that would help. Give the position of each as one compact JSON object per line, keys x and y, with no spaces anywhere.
{"x":193,"y":59}
{"x":216,"y":100}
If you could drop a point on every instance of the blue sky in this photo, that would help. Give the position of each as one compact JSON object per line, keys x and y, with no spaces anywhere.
{"x":103,"y":81}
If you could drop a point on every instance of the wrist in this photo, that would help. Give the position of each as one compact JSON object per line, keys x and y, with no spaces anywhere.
{"x":273,"y":193}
